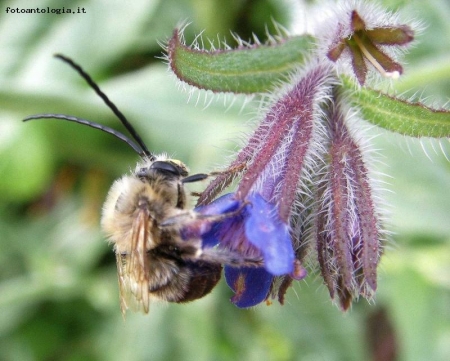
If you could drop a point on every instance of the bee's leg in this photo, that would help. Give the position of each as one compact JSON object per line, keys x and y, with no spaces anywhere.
{"x":230,"y":258}
{"x":194,"y":252}
{"x":189,"y":217}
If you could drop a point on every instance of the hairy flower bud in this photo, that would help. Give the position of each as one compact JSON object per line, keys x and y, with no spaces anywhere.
{"x":346,"y":225}
{"x":274,"y":163}
{"x":303,"y":183}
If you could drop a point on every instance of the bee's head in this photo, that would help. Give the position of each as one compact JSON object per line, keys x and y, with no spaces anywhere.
{"x":170,"y":168}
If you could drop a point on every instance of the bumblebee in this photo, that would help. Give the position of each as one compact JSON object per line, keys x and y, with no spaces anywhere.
{"x":143,"y":217}
{"x":153,"y":260}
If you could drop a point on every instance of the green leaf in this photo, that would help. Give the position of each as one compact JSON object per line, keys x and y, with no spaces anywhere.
{"x":398,"y":115}
{"x":252,"y":69}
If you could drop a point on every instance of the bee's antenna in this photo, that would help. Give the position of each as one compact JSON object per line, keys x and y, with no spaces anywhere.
{"x":104,"y":128}
{"x":110,"y":104}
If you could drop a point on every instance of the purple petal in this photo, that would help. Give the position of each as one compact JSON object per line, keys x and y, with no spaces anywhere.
{"x":210,"y":230}
{"x":221,"y":205}
{"x":209,"y":239}
{"x":251,"y":285}
{"x":265,"y":231}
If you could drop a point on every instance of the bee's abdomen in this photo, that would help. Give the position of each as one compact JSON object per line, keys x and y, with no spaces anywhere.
{"x":179,"y":279}
{"x":204,"y":277}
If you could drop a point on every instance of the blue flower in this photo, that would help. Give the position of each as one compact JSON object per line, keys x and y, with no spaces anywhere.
{"x":250,"y":285}
{"x":304,"y":186}
{"x":274,"y":170}
{"x":254,"y":231}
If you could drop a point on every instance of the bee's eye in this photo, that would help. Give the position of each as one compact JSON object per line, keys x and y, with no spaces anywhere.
{"x":166,"y":167}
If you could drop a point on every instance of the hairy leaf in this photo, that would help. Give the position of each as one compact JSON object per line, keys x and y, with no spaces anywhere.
{"x":399,"y":115}
{"x":246,"y":69}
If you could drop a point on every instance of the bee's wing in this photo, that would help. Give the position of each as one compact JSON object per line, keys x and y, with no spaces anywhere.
{"x":121,"y":261}
{"x":133,"y":268}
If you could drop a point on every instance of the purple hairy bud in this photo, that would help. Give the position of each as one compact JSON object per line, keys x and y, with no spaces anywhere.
{"x":304,"y":190}
{"x":273,"y":165}
{"x":346,"y":226}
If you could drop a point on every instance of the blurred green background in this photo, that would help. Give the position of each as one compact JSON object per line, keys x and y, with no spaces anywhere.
{"x":58,"y":286}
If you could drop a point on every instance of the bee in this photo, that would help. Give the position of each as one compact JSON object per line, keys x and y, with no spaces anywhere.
{"x":152,"y":260}
{"x":143,"y":216}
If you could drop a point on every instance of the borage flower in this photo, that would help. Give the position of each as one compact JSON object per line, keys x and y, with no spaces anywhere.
{"x":304,"y":191}
{"x":273,"y":165}
{"x":253,"y":231}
